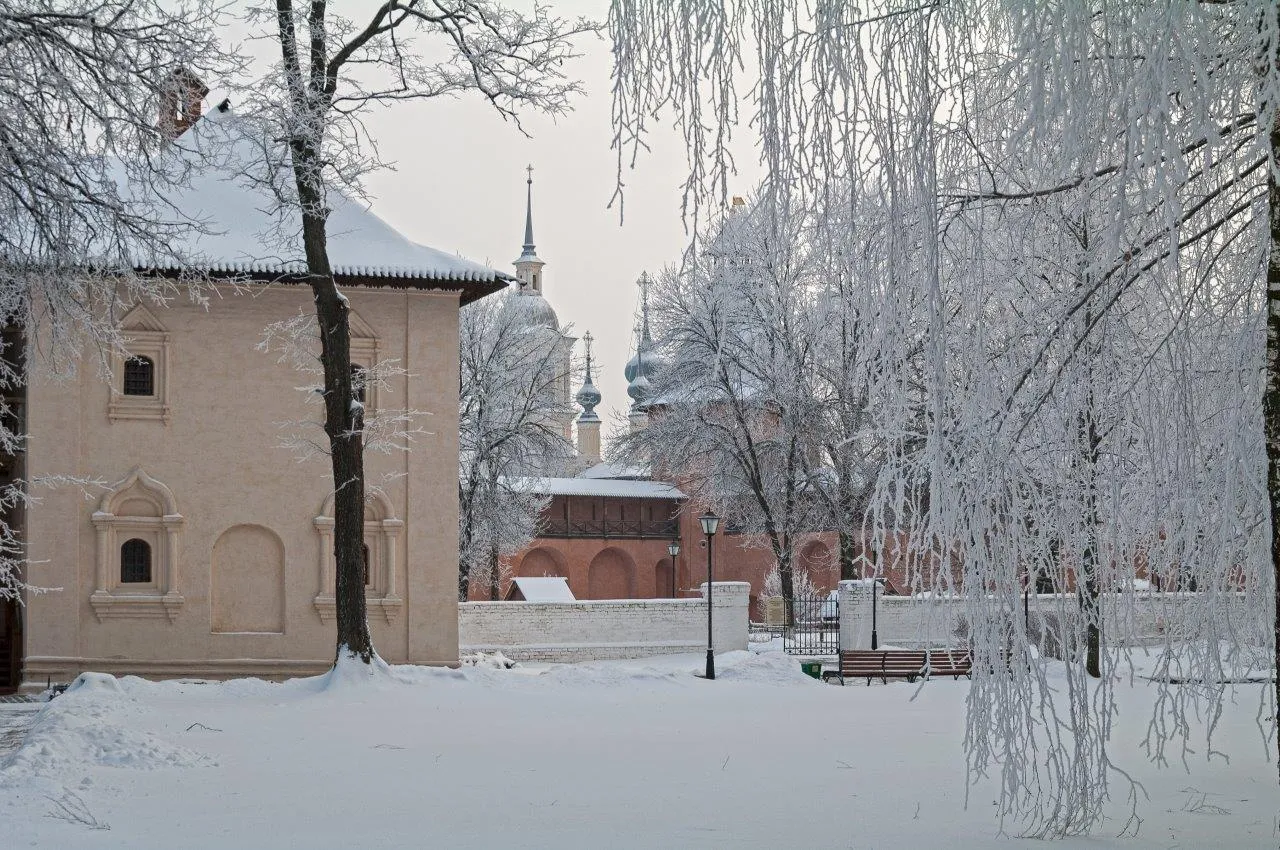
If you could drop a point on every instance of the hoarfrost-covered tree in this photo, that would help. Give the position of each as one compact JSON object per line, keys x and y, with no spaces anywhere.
{"x":864,"y":364}
{"x":1116,"y":165}
{"x":333,"y":69}
{"x":82,"y":84}
{"x":508,"y":419}
{"x":732,"y":408}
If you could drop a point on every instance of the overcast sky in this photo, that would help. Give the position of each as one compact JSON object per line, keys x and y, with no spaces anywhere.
{"x":459,"y":186}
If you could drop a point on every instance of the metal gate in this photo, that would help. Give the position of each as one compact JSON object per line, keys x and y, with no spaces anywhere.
{"x":812,"y":625}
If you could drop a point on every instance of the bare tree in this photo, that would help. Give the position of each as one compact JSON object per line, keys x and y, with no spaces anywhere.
{"x":332,"y":70}
{"x":959,"y":116}
{"x":732,"y":408}
{"x":509,"y":426}
{"x":86,"y":87}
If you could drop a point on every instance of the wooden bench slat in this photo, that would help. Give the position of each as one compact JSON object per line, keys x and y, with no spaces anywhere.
{"x":885,"y":664}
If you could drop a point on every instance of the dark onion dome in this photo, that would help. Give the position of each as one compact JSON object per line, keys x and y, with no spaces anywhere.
{"x":588,"y":396}
{"x":644,"y":365}
{"x":639,"y":390}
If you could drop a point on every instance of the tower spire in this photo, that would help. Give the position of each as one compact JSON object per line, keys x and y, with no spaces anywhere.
{"x":528,"y":265}
{"x":528,"y":213}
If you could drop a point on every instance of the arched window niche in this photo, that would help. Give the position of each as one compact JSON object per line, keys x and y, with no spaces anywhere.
{"x":137,"y":524}
{"x":140,"y":388}
{"x":381,"y":542}
{"x":140,"y":376}
{"x":135,"y":562}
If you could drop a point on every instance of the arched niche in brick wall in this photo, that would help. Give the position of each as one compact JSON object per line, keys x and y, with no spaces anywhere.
{"x":663,"y":581}
{"x":612,"y":575}
{"x":540,"y":562}
{"x":817,"y":560}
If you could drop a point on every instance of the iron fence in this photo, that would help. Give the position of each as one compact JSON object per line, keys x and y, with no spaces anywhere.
{"x":811,"y":624}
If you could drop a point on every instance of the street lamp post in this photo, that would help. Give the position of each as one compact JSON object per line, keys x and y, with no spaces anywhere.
{"x":710,"y":522}
{"x":875,"y":638}
{"x":673,"y":549}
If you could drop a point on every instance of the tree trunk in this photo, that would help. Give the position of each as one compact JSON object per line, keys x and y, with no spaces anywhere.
{"x":786,"y":569}
{"x":343,"y":416}
{"x":1271,"y":400}
{"x":344,"y":425}
{"x":466,"y":514}
{"x":1089,"y":443}
{"x":848,"y":558}
{"x":495,"y":574}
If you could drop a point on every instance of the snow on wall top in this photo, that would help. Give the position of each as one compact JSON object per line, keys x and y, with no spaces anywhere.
{"x":548,"y":589}
{"x":606,"y":487}
{"x":243,"y":230}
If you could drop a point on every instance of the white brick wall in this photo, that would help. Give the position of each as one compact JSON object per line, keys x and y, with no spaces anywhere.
{"x":914,"y":621}
{"x":606,"y":629}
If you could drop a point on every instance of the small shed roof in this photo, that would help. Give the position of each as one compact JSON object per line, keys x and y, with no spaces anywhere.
{"x":546,"y":589}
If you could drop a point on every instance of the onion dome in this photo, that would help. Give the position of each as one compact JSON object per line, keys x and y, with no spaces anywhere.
{"x":644,"y":364}
{"x":588,"y":396}
{"x":639,"y":390}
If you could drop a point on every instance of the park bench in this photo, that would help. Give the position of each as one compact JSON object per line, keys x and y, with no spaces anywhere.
{"x":950,"y":662}
{"x":886,"y":664}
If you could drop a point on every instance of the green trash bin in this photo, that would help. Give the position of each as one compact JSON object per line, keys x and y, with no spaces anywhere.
{"x":812,"y":668}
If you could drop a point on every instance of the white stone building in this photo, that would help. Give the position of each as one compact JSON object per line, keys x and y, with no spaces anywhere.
{"x":209,"y":552}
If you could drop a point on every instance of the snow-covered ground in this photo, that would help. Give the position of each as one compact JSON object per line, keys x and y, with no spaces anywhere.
{"x":617,"y":755}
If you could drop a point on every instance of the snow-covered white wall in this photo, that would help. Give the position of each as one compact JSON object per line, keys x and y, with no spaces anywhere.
{"x":605,"y":629}
{"x":1142,"y":618}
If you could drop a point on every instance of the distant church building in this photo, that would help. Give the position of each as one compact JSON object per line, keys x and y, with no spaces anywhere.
{"x":536,"y":310}
{"x":608,"y":530}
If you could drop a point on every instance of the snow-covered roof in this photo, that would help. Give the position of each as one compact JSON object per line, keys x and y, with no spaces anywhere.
{"x":243,"y":235}
{"x":613,"y":470}
{"x":547,"y":589}
{"x":606,"y":487}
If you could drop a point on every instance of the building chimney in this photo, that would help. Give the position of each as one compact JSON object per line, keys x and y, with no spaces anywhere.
{"x":180,"y":103}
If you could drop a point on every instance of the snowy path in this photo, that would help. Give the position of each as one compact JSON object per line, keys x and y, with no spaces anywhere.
{"x":621,"y":755}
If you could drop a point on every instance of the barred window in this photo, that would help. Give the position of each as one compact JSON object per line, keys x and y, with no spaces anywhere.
{"x":139,"y":376}
{"x":135,"y":562}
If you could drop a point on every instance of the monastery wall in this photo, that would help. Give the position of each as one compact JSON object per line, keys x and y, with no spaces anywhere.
{"x":1140,"y":619}
{"x":604,"y":629}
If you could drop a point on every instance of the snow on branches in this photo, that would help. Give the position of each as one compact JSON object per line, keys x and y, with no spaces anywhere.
{"x":1052,"y":219}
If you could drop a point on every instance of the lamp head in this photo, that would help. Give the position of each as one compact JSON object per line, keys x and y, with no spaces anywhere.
{"x":673,"y":548}
{"x":710,"y":522}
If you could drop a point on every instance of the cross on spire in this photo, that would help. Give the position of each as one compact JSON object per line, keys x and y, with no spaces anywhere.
{"x":645,"y":283}
{"x":587,"y":338}
{"x":528,"y":215}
